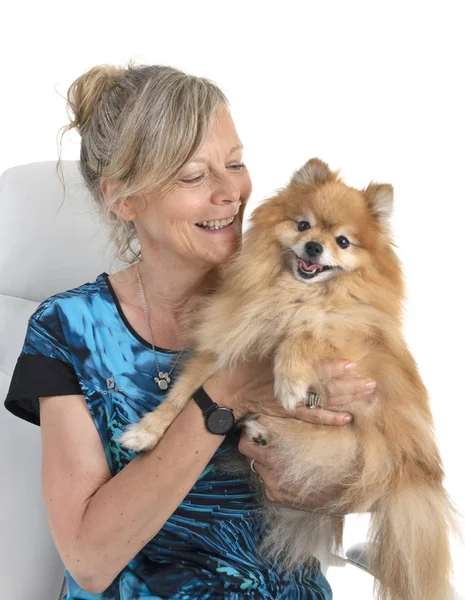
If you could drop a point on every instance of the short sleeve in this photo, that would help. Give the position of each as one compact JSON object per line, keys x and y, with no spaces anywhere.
{"x":44,"y":367}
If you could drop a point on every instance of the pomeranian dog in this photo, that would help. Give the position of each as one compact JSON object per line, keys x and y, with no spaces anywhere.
{"x":316,"y":278}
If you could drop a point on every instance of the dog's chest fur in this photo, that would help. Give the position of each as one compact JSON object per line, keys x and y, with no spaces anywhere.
{"x":253,"y":326}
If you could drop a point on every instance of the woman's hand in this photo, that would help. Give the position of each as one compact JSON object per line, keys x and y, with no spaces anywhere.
{"x":248,"y":389}
{"x":262,"y":457}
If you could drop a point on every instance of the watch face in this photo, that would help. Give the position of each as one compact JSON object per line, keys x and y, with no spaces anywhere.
{"x":220,"y":421}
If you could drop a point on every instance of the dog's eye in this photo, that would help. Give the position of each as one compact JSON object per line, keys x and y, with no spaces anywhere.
{"x":303,"y":225}
{"x":342,"y":241}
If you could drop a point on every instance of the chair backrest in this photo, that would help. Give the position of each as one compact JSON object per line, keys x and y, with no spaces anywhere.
{"x":50,"y":241}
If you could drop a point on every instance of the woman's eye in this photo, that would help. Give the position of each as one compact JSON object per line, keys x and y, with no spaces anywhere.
{"x":237,"y":166}
{"x":194,"y":179}
{"x":303,"y":225}
{"x":342,"y":241}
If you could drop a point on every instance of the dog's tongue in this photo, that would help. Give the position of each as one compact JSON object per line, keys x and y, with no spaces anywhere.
{"x":310,"y":268}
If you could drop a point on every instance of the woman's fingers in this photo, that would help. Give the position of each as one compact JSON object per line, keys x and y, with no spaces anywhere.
{"x":326,"y":369}
{"x":257,"y":459}
{"x":347,"y":389}
{"x":329,"y":369}
{"x":321,"y":416}
{"x":337,"y":393}
{"x":263,"y":467}
{"x":262,"y":463}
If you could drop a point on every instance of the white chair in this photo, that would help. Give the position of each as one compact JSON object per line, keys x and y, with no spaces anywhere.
{"x":48,"y":243}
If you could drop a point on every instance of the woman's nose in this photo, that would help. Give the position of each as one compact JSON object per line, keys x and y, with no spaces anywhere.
{"x":226,"y":190}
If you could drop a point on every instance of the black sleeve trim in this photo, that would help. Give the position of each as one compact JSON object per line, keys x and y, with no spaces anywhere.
{"x":36,"y":376}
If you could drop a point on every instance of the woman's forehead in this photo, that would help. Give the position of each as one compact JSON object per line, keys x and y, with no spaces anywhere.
{"x":204,"y":158}
{"x":222,"y":138}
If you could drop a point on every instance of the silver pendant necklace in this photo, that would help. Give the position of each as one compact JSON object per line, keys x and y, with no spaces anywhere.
{"x":164,"y":379}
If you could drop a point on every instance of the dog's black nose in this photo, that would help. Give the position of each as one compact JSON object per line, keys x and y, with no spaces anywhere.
{"x":313,"y":249}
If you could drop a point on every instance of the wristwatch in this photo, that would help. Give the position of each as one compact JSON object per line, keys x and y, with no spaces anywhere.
{"x":218,"y":420}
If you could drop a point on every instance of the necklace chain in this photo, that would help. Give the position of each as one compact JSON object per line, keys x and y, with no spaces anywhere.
{"x":164,"y":379}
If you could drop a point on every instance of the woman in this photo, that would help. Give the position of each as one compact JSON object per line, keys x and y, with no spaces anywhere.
{"x":162,"y":158}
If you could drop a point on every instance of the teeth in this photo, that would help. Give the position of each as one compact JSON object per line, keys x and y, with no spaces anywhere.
{"x":217,"y":224}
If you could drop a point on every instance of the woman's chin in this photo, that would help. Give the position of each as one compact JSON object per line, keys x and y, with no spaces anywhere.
{"x":215,"y":248}
{"x":222,"y":254}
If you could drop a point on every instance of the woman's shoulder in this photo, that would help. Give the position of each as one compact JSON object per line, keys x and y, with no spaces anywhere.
{"x":84,"y":295}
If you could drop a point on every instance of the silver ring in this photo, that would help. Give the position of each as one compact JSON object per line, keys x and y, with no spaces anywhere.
{"x":252,"y":468}
{"x":313,"y":400}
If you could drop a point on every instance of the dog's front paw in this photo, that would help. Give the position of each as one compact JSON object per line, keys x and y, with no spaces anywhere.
{"x":139,"y":438}
{"x":291,"y":394}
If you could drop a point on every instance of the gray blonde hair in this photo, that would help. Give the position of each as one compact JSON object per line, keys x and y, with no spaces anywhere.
{"x":139,"y":125}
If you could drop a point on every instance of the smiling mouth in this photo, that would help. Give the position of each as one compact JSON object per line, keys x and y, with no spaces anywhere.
{"x":308,"y":269}
{"x":214,"y":225}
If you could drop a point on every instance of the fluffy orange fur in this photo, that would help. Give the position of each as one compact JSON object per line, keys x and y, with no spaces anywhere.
{"x":386,"y":459}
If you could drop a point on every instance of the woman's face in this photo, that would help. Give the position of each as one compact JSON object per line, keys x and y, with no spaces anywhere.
{"x":198,"y":219}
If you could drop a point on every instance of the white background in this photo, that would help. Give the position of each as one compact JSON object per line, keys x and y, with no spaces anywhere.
{"x":373,"y":88}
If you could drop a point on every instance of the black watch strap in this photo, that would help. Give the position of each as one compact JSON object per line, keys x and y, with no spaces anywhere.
{"x":218,"y":419}
{"x":203,"y":401}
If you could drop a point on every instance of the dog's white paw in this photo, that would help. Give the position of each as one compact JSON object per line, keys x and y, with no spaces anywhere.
{"x":291,"y":394}
{"x":137,"y":438}
{"x":256,"y":432}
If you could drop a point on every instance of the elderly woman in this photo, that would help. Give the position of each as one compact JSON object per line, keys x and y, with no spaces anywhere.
{"x":162,"y":158}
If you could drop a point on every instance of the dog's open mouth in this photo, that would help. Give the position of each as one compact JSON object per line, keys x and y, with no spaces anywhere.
{"x":308,"y":269}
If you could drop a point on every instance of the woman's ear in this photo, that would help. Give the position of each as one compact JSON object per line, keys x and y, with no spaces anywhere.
{"x":123,"y":208}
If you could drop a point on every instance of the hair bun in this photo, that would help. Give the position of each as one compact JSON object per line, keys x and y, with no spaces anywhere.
{"x":86,"y":91}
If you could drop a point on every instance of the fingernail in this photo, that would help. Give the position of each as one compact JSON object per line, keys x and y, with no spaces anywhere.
{"x":347,"y":419}
{"x":370,"y":385}
{"x":350,"y":366}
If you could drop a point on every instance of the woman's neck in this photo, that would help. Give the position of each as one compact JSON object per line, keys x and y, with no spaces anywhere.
{"x":173,"y":291}
{"x":172,"y":286}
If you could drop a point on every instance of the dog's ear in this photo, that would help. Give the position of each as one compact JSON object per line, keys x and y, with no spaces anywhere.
{"x":380,"y":197}
{"x":314,"y":172}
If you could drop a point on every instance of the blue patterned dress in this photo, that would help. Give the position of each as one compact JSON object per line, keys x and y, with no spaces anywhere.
{"x":79,"y":342}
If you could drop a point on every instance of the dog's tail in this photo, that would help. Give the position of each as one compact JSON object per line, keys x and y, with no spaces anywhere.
{"x":293,"y":538}
{"x":409,"y":543}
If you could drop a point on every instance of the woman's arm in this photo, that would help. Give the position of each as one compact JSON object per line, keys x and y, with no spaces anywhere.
{"x":100,"y":523}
